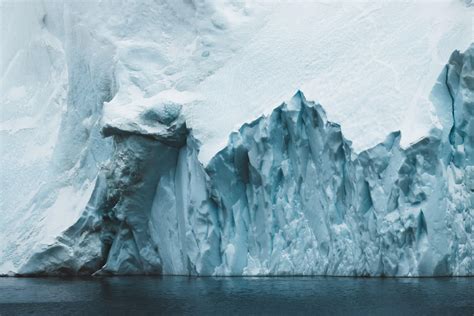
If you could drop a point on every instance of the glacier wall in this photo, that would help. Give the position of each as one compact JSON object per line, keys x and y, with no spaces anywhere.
{"x":53,"y":89}
{"x":287,"y":195}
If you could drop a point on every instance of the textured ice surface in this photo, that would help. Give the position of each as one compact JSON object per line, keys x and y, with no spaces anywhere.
{"x":285,"y":195}
{"x":60,"y":61}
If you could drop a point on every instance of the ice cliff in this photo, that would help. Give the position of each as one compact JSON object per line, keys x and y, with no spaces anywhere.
{"x":287,"y":195}
{"x":115,"y":155}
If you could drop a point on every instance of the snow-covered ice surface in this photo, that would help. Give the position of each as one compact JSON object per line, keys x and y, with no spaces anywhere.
{"x":372,"y":65}
{"x":166,"y":191}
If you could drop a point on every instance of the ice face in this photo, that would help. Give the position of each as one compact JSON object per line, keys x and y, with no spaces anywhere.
{"x":63,"y":66}
{"x":287,"y":195}
{"x":167,"y":83}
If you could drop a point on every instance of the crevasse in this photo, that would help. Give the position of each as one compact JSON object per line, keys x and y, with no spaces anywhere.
{"x":286,"y":196}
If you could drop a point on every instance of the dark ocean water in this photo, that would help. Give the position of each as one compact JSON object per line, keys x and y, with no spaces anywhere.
{"x":229,"y":296}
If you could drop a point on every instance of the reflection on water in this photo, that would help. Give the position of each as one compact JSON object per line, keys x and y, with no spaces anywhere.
{"x":277,"y":295}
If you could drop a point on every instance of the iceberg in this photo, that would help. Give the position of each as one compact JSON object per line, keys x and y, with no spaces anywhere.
{"x":286,"y":196}
{"x":132,"y":175}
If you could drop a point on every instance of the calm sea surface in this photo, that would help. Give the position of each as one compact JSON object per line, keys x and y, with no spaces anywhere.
{"x":229,"y":296}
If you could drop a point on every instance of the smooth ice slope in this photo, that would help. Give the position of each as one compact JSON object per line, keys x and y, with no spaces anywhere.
{"x":372,"y":64}
{"x":287,"y":195}
{"x":52,"y":94}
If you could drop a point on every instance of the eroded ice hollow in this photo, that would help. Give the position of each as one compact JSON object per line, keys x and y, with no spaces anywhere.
{"x":286,"y":196}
